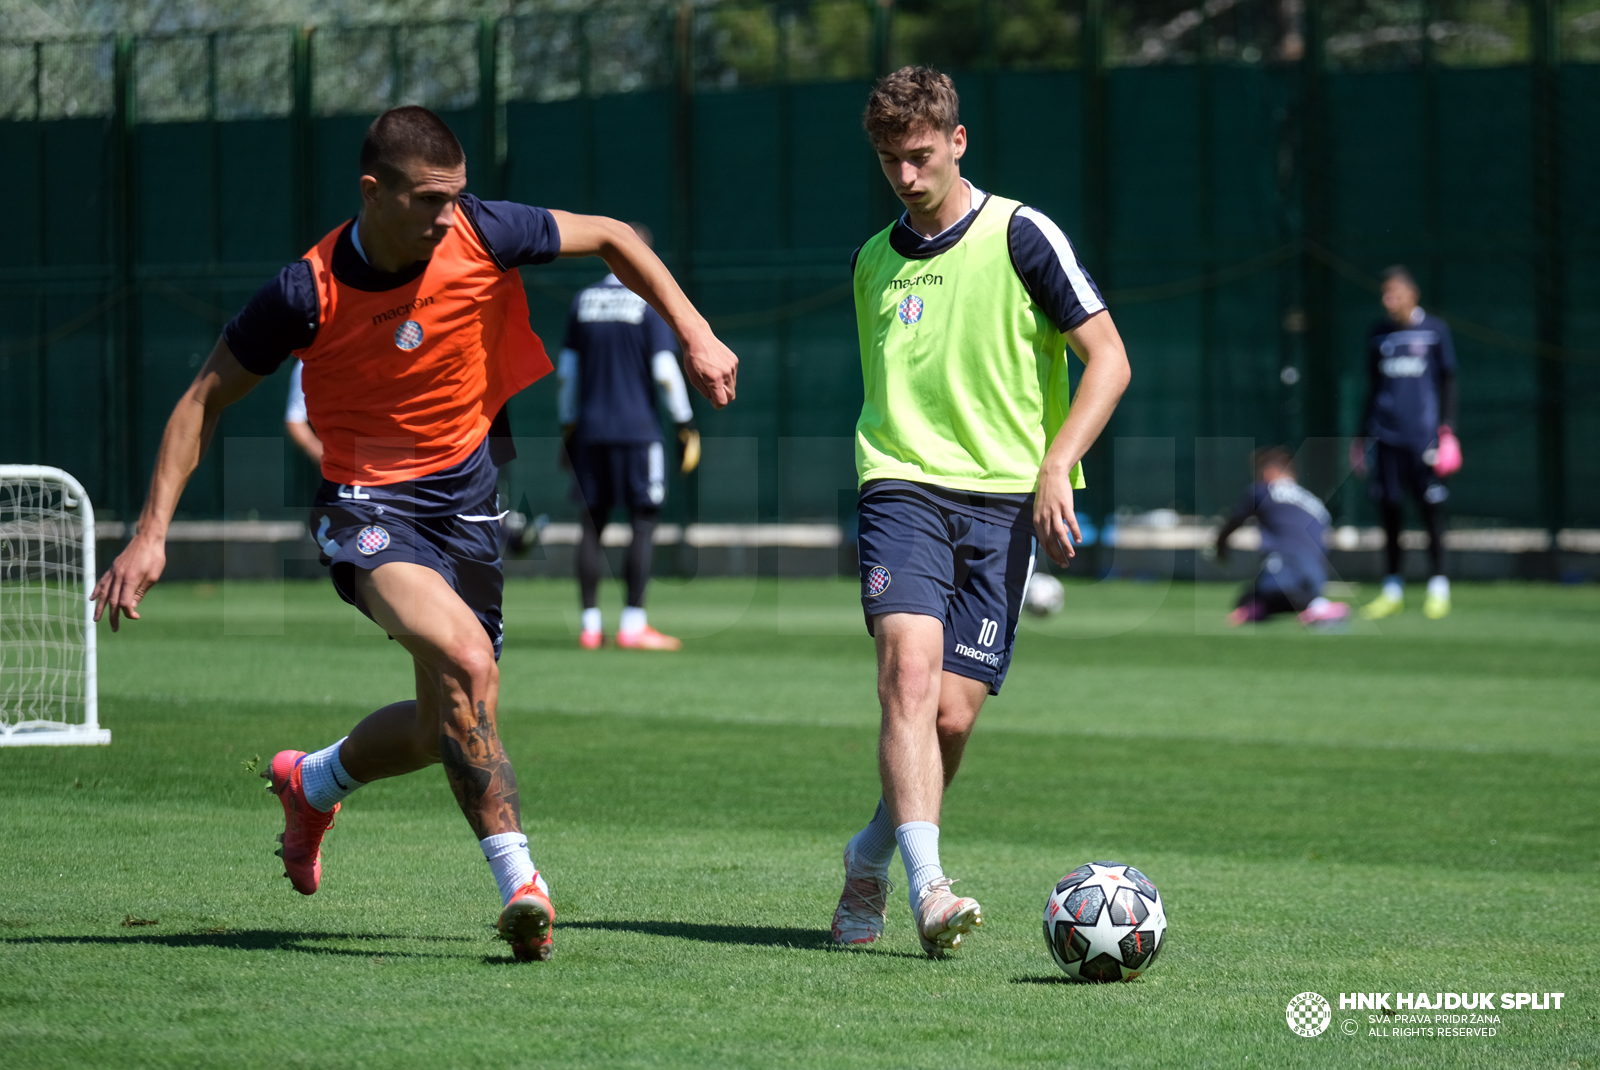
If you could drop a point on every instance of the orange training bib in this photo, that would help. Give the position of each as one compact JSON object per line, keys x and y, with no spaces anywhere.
{"x":405,"y":382}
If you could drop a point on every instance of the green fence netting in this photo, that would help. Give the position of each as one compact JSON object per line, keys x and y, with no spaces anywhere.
{"x":1235,"y":184}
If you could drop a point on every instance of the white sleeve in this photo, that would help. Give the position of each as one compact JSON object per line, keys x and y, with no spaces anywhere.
{"x":295,"y":411}
{"x":664,"y":368}
{"x":567,"y":399}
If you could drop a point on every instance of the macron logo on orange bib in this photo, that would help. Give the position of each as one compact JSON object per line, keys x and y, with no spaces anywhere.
{"x":405,"y":382}
{"x":403,"y":310}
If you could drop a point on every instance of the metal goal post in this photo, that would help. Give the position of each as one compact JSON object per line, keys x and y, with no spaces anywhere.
{"x":48,"y":692}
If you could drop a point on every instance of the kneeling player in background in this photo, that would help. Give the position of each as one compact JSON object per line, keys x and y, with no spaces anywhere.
{"x":1294,"y":567}
{"x":413,"y":326}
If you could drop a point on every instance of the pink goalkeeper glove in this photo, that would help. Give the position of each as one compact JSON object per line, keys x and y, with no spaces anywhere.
{"x":1447,"y":461}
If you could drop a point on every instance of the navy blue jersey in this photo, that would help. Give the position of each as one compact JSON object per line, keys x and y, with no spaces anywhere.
{"x":1293,"y":523}
{"x":283,"y":316}
{"x":1042,"y":255}
{"x":615,"y":333}
{"x":1411,"y":373}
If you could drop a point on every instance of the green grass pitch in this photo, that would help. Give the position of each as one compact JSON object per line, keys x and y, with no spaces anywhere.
{"x":1407,"y":807}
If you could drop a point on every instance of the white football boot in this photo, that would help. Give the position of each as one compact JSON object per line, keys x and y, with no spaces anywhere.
{"x":943,"y":917}
{"x":863,"y":906}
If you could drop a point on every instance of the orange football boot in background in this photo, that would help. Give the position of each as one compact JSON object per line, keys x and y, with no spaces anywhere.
{"x":647,"y":638}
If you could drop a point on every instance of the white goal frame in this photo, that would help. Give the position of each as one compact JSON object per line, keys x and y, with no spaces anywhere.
{"x":37,"y":730}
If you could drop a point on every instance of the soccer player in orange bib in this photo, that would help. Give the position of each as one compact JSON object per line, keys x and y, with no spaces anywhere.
{"x":413,"y":328}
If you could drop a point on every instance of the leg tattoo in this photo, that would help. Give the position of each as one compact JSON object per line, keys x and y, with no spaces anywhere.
{"x":481,"y":776}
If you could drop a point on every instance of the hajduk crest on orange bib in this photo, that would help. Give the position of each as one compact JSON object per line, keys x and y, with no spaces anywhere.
{"x":393,"y":401}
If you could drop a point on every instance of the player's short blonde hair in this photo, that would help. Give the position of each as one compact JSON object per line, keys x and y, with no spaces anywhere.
{"x":1272,"y":457}
{"x":910,"y":98}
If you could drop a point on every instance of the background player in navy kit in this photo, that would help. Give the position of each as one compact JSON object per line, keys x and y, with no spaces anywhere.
{"x":617,"y":351}
{"x":1294,"y":568}
{"x":1411,"y":408}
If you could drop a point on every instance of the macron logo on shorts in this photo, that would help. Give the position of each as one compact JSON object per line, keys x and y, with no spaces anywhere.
{"x":991,"y":660}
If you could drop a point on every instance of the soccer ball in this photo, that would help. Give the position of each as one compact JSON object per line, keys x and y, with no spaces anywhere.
{"x":1104,"y":921}
{"x":1044,"y":595}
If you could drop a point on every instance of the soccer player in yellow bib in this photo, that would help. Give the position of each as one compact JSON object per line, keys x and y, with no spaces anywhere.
{"x":968,"y":451}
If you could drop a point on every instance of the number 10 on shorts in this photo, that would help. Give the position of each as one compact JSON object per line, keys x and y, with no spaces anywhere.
{"x":987,"y":632}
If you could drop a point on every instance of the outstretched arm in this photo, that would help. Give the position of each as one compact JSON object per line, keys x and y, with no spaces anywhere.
{"x":1105,"y":377}
{"x":713,"y":369}
{"x":221,"y":382}
{"x":304,"y":437}
{"x":1242,"y":512}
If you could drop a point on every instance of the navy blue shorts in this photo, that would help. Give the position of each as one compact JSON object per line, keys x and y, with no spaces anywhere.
{"x":919,"y":557}
{"x":1282,"y":577}
{"x":1399,"y":473}
{"x":365,"y":532}
{"x":608,"y":474}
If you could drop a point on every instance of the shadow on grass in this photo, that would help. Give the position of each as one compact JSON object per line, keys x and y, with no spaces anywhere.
{"x":753,"y":935}
{"x":1063,"y":979}
{"x":749,"y":935}
{"x":252,"y":940}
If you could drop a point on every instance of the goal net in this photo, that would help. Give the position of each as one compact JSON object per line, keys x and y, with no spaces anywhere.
{"x":47,"y":653}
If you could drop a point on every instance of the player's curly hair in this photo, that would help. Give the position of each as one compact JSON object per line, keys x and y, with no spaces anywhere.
{"x":401,"y":135}
{"x":909,"y":98}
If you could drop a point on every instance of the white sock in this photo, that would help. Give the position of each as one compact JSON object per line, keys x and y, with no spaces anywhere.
{"x":326,"y":782}
{"x":1394,"y":587}
{"x":1318,"y":604}
{"x":919,"y":849}
{"x":508,"y":857}
{"x":1439,"y":587}
{"x":872,"y":849}
{"x":633,"y":620}
{"x":591,"y":620}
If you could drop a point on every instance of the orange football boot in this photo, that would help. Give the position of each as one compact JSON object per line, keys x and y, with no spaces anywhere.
{"x":525,"y":923}
{"x":647,"y":638}
{"x":303,"y":824}
{"x":590,"y":640}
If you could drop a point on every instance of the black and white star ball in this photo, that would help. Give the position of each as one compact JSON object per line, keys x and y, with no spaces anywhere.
{"x":1104,"y":921}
